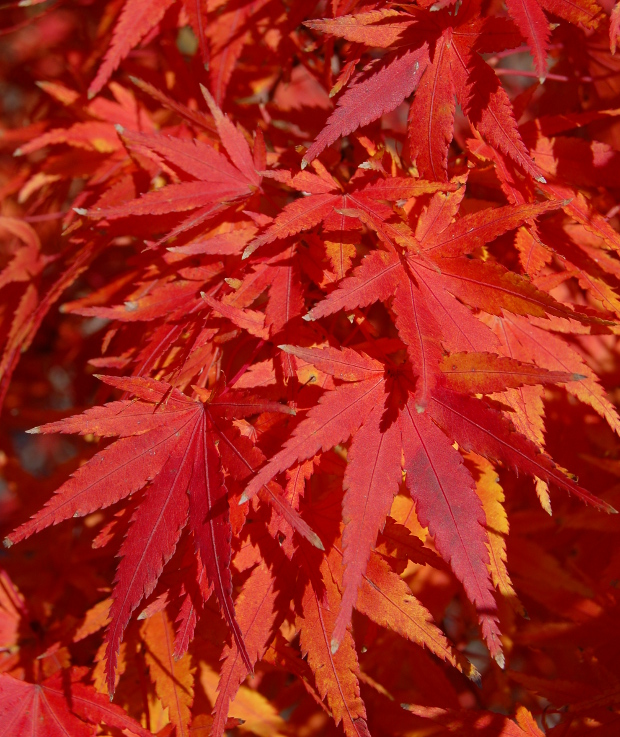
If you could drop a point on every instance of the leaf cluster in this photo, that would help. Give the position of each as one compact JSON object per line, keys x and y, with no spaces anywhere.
{"x":308,"y":321}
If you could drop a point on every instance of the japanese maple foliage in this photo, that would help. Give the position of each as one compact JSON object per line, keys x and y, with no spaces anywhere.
{"x":309,"y":369}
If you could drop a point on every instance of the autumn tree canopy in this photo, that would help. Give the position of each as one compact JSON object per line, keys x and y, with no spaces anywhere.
{"x":309,"y":368}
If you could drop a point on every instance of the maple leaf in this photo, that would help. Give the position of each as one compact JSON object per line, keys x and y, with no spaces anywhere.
{"x":228,"y":32}
{"x":376,"y":405}
{"x":325,"y":202}
{"x":32,"y":308}
{"x":135,"y":22}
{"x":366,"y":98}
{"x":427,"y":275}
{"x":534,"y":26}
{"x":468,"y":723}
{"x":259,"y":616}
{"x":168,"y":440}
{"x":485,"y":373}
{"x":59,"y":706}
{"x":445,"y":50}
{"x":218,"y":182}
{"x":249,"y":708}
{"x":492,"y":497}
{"x":385,"y":599}
{"x":336,"y":672}
{"x":173,"y":677}
{"x":521,"y":336}
{"x":584,"y":12}
{"x":459,"y":294}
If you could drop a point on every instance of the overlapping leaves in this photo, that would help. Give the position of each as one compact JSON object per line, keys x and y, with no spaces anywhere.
{"x":358,"y":335}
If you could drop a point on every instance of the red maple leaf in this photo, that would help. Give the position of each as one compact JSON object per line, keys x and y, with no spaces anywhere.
{"x":377,"y":405}
{"x":59,"y":706}
{"x":439,"y":54}
{"x":167,"y":441}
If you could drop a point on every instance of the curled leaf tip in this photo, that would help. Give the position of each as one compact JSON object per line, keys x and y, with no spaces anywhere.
{"x":7,"y":543}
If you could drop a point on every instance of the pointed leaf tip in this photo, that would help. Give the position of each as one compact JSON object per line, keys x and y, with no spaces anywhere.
{"x":500,"y":660}
{"x":119,"y":129}
{"x":334,"y":646}
{"x":7,"y":543}
{"x":243,"y":499}
{"x":17,"y":152}
{"x":316,"y":541}
{"x":34,"y":431}
{"x":541,"y":179}
{"x":475,"y":676}
{"x":80,"y":211}
{"x":304,"y":164}
{"x":207,"y":95}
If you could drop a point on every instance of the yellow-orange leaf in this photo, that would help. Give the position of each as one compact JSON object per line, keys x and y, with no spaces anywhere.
{"x":492,"y":497}
{"x":336,"y":674}
{"x":486,"y":373}
{"x":173,"y":679}
{"x":258,"y":715}
{"x":96,"y":618}
{"x":387,"y":600}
